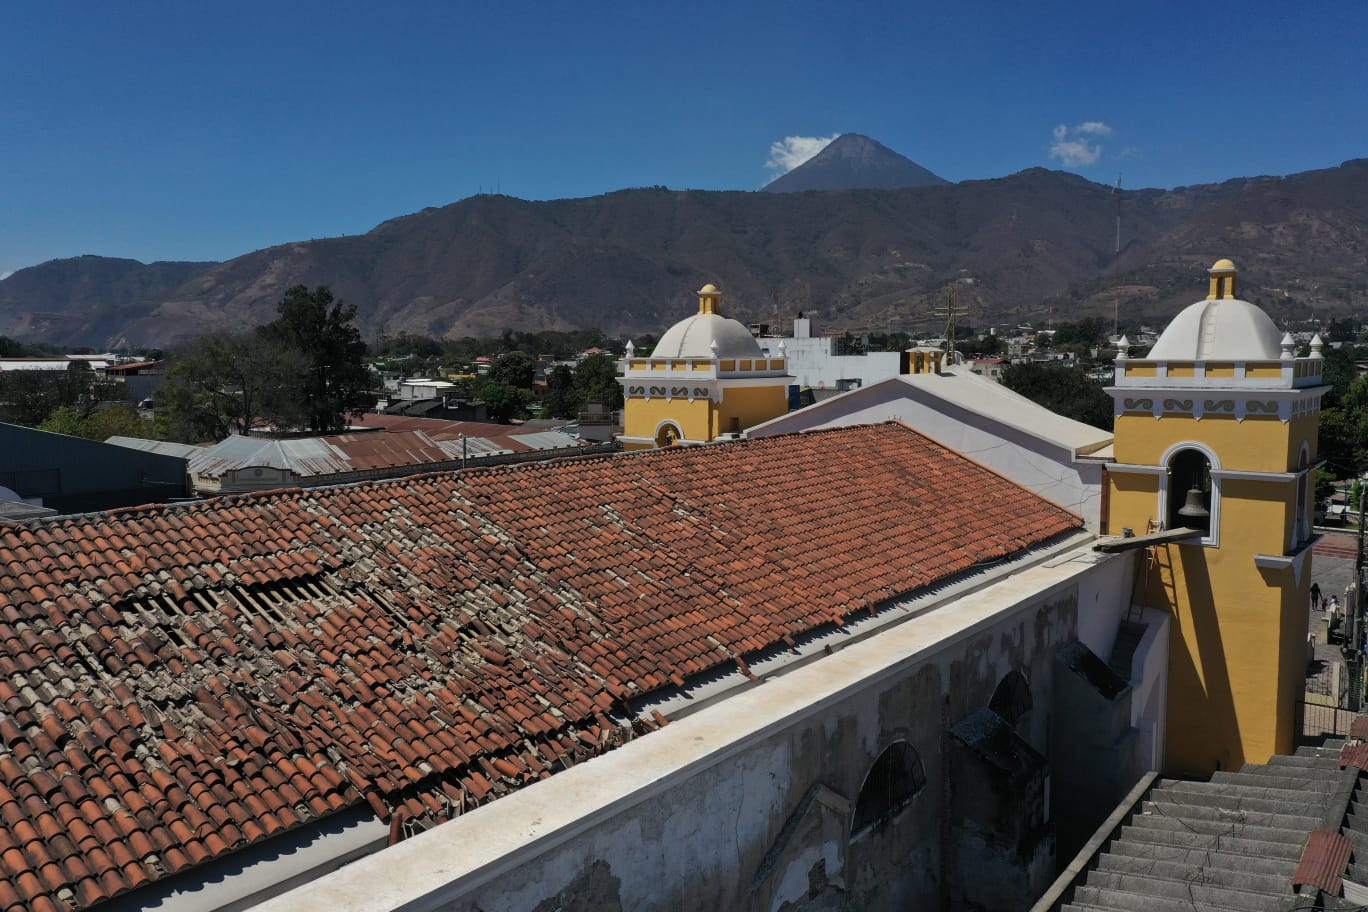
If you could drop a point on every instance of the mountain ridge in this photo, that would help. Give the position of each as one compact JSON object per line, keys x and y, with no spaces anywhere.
{"x":1035,"y":245}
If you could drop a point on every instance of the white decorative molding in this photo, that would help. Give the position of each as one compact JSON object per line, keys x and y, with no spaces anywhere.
{"x":1128,"y":468}
{"x":1284,"y":403}
{"x":1213,"y":461}
{"x":1240,"y":475}
{"x":1297,"y":562}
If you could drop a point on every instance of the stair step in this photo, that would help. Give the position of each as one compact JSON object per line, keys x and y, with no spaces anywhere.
{"x":1293,"y":761}
{"x":1238,"y":877}
{"x":1189,"y":855}
{"x":1309,"y":750}
{"x":1142,"y":897}
{"x":1316,"y":781}
{"x":1221,"y":842}
{"x":1270,"y":801}
{"x":1180,"y":810}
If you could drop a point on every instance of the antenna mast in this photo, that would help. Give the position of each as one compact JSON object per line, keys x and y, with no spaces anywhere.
{"x":1116,"y":262}
{"x":950,"y":313}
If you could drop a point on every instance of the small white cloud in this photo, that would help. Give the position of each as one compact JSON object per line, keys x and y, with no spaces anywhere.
{"x":791,"y":151}
{"x":1128,"y":152}
{"x":1072,"y":148}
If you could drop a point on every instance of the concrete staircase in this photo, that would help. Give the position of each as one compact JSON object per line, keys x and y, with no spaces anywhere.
{"x":1229,"y":844}
{"x":1128,"y":636}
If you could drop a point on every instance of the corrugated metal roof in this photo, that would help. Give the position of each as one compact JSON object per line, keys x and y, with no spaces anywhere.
{"x":440,"y":429}
{"x":1355,"y":755}
{"x":133,"y":365}
{"x":341,"y":454}
{"x":50,"y":364}
{"x":548,"y":440}
{"x":165,"y":447}
{"x":1323,"y":861}
{"x":1359,"y":729}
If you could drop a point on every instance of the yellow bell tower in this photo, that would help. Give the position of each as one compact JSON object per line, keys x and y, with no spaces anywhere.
{"x":1216,"y":432}
{"x":706,"y":377}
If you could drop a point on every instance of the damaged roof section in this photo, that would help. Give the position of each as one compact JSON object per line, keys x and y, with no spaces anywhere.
{"x":178,"y":683}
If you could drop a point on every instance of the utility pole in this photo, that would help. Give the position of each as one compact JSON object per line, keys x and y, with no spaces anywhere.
{"x":1353,"y":626}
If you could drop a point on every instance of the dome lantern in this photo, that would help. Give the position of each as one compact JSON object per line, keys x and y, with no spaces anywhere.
{"x":1222,"y":274}
{"x":707,"y":299}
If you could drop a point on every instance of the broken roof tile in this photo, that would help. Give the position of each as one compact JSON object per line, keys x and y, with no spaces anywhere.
{"x":255,"y":661}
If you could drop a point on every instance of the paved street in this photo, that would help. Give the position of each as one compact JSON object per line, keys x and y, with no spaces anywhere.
{"x":1333,"y":569}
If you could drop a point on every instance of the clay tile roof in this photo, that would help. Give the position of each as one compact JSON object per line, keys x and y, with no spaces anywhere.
{"x":186,"y":680}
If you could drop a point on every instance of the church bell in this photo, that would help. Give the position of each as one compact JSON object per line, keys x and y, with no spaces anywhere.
{"x":1193,"y":508}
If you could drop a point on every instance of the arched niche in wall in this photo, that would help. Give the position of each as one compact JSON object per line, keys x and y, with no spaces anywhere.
{"x":1012,"y":698}
{"x":668,"y":434}
{"x":890,"y":785}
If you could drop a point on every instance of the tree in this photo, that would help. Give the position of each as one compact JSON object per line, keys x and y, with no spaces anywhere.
{"x":504,"y":402}
{"x":228,"y":383}
{"x":11,"y":348}
{"x":334,"y":382}
{"x":513,"y":369}
{"x":1344,"y":431}
{"x":1061,"y":389}
{"x":1325,"y":486}
{"x":28,"y":397}
{"x":1336,"y":442}
{"x":987,"y":345}
{"x":1338,"y":371}
{"x":120,"y":420}
{"x":596,"y":378}
{"x":562,"y":398}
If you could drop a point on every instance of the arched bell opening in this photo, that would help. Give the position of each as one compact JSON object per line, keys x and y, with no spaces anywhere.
{"x":1189,"y":491}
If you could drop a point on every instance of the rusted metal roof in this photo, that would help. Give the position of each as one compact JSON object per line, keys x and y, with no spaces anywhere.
{"x":367,"y":451}
{"x":1323,"y":861}
{"x":1355,"y":755}
{"x":1358,"y":731}
{"x":440,"y":429}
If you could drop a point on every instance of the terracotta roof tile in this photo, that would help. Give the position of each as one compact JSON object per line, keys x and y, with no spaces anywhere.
{"x":241,"y":665}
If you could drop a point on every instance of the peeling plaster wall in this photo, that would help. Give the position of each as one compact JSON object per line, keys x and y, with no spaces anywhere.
{"x":748,"y":804}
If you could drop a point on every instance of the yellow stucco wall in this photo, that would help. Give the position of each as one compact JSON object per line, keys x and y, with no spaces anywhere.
{"x":1237,"y":665}
{"x":1256,"y":444}
{"x":641,"y":417}
{"x":1303,"y":429}
{"x":751,"y":405}
{"x":701,"y":419}
{"x":1239,"y":631}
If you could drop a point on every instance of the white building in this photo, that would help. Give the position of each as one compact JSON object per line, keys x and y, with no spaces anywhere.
{"x":815,"y":364}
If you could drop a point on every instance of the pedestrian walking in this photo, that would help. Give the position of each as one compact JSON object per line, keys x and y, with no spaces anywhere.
{"x":1316,"y":601}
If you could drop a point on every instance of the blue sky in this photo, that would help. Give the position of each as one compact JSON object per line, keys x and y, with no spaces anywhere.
{"x":185,"y":130}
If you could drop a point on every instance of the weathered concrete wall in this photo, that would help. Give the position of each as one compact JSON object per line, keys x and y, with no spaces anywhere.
{"x":750,"y":803}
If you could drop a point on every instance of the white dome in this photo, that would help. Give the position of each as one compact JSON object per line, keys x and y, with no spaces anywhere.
{"x":694,"y":337}
{"x":1226,"y":329}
